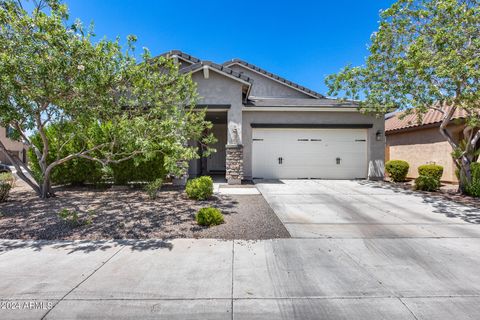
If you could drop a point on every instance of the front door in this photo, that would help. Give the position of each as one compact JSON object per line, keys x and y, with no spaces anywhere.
{"x":216,"y":161}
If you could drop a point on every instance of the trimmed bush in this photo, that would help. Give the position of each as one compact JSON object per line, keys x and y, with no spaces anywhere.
{"x":6,"y":184}
{"x":431,"y":170}
{"x":200,"y":188}
{"x":397,"y":170}
{"x":473,"y":188}
{"x":209,"y":217}
{"x":427,"y":183}
{"x":141,"y":170}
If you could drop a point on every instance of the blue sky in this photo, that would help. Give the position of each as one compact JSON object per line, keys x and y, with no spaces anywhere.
{"x":302,"y":41}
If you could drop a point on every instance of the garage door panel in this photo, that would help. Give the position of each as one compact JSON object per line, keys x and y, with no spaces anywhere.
{"x":310,"y":153}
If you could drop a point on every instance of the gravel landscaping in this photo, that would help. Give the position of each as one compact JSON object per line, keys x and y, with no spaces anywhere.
{"x":130,"y":214}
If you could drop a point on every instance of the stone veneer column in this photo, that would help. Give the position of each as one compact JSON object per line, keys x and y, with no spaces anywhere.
{"x":234,"y":163}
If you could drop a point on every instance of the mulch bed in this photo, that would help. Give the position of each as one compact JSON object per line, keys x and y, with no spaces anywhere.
{"x":130,"y":214}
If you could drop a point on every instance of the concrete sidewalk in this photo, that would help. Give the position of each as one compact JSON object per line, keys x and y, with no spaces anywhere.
{"x":408,"y":278}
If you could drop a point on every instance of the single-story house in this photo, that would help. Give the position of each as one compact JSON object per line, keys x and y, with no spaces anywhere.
{"x":421,"y":143}
{"x":15,"y":148}
{"x":269,"y":127}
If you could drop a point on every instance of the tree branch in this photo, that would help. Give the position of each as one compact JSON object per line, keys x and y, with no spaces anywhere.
{"x":443,"y":126}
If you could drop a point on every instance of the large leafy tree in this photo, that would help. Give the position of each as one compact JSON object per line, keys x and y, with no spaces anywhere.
{"x":425,"y":55}
{"x":52,"y":72}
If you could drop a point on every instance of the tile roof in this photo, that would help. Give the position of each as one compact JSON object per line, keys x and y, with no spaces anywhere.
{"x":298,"y":102}
{"x":219,"y":67}
{"x":180,"y":54}
{"x":432,"y":117}
{"x":274,"y":76}
{"x":196,"y":63}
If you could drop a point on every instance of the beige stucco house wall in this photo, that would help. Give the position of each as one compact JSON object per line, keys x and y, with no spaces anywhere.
{"x":422,"y":146}
{"x":15,"y":147}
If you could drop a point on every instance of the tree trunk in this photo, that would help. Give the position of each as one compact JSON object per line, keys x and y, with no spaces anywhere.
{"x":46,"y":187}
{"x":465,"y":175}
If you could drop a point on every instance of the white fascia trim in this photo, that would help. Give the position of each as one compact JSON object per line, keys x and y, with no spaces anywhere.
{"x":206,"y":73}
{"x":181,"y":58}
{"x":287,"y":109}
{"x":223,"y":74}
{"x":266,"y":76}
{"x":212,"y":110}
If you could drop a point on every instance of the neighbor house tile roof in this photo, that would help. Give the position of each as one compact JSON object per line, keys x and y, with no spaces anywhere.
{"x":410,"y":121}
{"x":274,"y":76}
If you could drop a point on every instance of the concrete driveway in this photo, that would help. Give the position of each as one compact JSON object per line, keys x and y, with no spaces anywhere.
{"x":365,"y":209}
{"x":359,"y":252}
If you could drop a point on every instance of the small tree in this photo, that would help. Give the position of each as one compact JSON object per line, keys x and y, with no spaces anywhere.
{"x":53,"y":73}
{"x":425,"y":55}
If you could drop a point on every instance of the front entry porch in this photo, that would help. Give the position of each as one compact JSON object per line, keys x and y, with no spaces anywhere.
{"x":227,"y":160}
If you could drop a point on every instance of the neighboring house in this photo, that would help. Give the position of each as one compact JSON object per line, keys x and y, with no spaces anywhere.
{"x":15,"y":148}
{"x":269,"y":127}
{"x":422,"y":143}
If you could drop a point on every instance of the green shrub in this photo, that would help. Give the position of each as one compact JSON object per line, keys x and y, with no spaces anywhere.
{"x":200,"y":188}
{"x":397,"y":170}
{"x":6,"y":184}
{"x":431,"y":170}
{"x":80,"y":171}
{"x":209,"y":217}
{"x":138,"y":170}
{"x":76,"y":171}
{"x":473,"y":188}
{"x":427,"y":183}
{"x":153,"y":187}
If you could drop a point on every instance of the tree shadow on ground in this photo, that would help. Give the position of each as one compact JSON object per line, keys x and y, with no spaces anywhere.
{"x":114,"y":214}
{"x":451,"y":205}
{"x":85,"y":246}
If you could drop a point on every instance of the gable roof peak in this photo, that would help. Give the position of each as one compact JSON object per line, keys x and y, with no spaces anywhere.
{"x":220,"y":68}
{"x":182,"y":55}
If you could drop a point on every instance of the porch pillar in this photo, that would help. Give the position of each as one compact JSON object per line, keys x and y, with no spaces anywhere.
{"x":234,"y":163}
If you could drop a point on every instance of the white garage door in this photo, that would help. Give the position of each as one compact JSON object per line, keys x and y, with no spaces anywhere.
{"x":309,"y":153}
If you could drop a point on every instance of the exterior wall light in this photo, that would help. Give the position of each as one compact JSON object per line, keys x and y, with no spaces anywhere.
{"x":379,"y":135}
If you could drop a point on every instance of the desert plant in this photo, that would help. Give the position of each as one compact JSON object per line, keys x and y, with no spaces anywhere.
{"x":6,"y":184}
{"x":200,"y":188}
{"x":76,"y":219}
{"x":68,"y":216}
{"x":427,"y":183}
{"x":209,"y":217}
{"x":431,"y":170}
{"x":397,"y":170}
{"x":153,"y":187}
